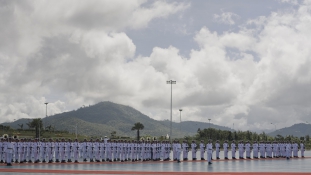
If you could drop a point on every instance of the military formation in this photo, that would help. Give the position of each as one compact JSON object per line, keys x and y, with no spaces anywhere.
{"x":61,"y":150}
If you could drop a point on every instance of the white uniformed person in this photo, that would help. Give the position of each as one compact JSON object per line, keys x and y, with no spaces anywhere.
{"x":241,"y":149}
{"x":233,"y":146}
{"x":63,"y":150}
{"x":9,"y":152}
{"x":217,"y":146}
{"x":76,"y":149}
{"x":43,"y":150}
{"x":202,"y":149}
{"x":102,"y":146}
{"x":194,"y":150}
{"x":302,"y":148}
{"x":209,"y":150}
{"x":50,"y":150}
{"x":178,"y":151}
{"x":185,"y":150}
{"x":225,"y":147}
{"x":96,"y":150}
{"x":57,"y":150}
{"x":248,"y":150}
{"x":84,"y":150}
{"x":288,"y":149}
{"x":255,"y":150}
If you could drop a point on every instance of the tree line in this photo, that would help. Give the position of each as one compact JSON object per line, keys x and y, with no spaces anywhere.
{"x":222,"y":135}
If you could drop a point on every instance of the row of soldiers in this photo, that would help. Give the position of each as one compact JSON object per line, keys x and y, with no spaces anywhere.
{"x":26,"y":150}
{"x":283,"y":149}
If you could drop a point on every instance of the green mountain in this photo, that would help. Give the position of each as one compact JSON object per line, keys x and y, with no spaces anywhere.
{"x":297,"y":130}
{"x":106,"y":117}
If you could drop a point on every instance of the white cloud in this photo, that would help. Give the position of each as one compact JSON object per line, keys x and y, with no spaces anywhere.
{"x":76,"y":56}
{"x":159,"y":9}
{"x":226,"y":18}
{"x":294,"y":2}
{"x":75,"y":50}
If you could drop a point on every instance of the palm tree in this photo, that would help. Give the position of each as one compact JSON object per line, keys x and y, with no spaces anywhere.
{"x":21,"y":125}
{"x":29,"y":125}
{"x":37,"y":123}
{"x":138,"y":126}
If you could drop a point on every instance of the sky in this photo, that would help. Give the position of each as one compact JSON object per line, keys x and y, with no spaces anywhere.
{"x":242,"y":63}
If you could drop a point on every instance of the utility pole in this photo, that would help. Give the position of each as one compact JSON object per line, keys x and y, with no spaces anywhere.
{"x":180,"y":118}
{"x":209,"y":126}
{"x":274,"y":126}
{"x":46,"y":114}
{"x":76,"y":131}
{"x":233,"y":132}
{"x":46,"y":109}
{"x":171,"y":82}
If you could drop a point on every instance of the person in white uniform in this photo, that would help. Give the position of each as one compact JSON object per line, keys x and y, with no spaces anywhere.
{"x":302,"y":149}
{"x":255,"y":150}
{"x":194,"y":150}
{"x":209,"y":150}
{"x":241,"y":149}
{"x":217,"y":146}
{"x":9,"y":152}
{"x":50,"y":150}
{"x":185,"y":150}
{"x":76,"y":149}
{"x":233,"y":146}
{"x":178,"y":151}
{"x":202,"y":149}
{"x":248,"y":150}
{"x":288,"y":150}
{"x":225,"y":146}
{"x":57,"y":150}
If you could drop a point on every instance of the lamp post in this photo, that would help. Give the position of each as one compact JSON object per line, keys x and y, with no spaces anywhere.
{"x":39,"y":129}
{"x":180,"y":118}
{"x":76,"y":131}
{"x":46,"y":109}
{"x":46,"y":114}
{"x":171,"y":82}
{"x":274,"y":126}
{"x":233,"y":131}
{"x":209,"y":125}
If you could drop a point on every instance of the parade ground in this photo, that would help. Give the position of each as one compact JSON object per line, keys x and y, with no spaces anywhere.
{"x":275,"y":166}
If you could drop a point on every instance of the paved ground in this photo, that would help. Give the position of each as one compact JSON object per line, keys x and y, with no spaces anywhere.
{"x":219,"y":167}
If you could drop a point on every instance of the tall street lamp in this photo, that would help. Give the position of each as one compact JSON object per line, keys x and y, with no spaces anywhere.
{"x":180,"y":118}
{"x":39,"y":129}
{"x":76,"y":131}
{"x":46,"y":114}
{"x":171,"y":82}
{"x":274,"y":126}
{"x":233,"y":131}
{"x":46,"y":109}
{"x":209,"y":126}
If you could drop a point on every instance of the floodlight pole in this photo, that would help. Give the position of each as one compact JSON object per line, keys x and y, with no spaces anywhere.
{"x":46,"y":114}
{"x":233,"y":131}
{"x":209,"y":126}
{"x":171,"y":82}
{"x":274,"y":125}
{"x":76,"y":131}
{"x":180,"y":118}
{"x":46,"y":109}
